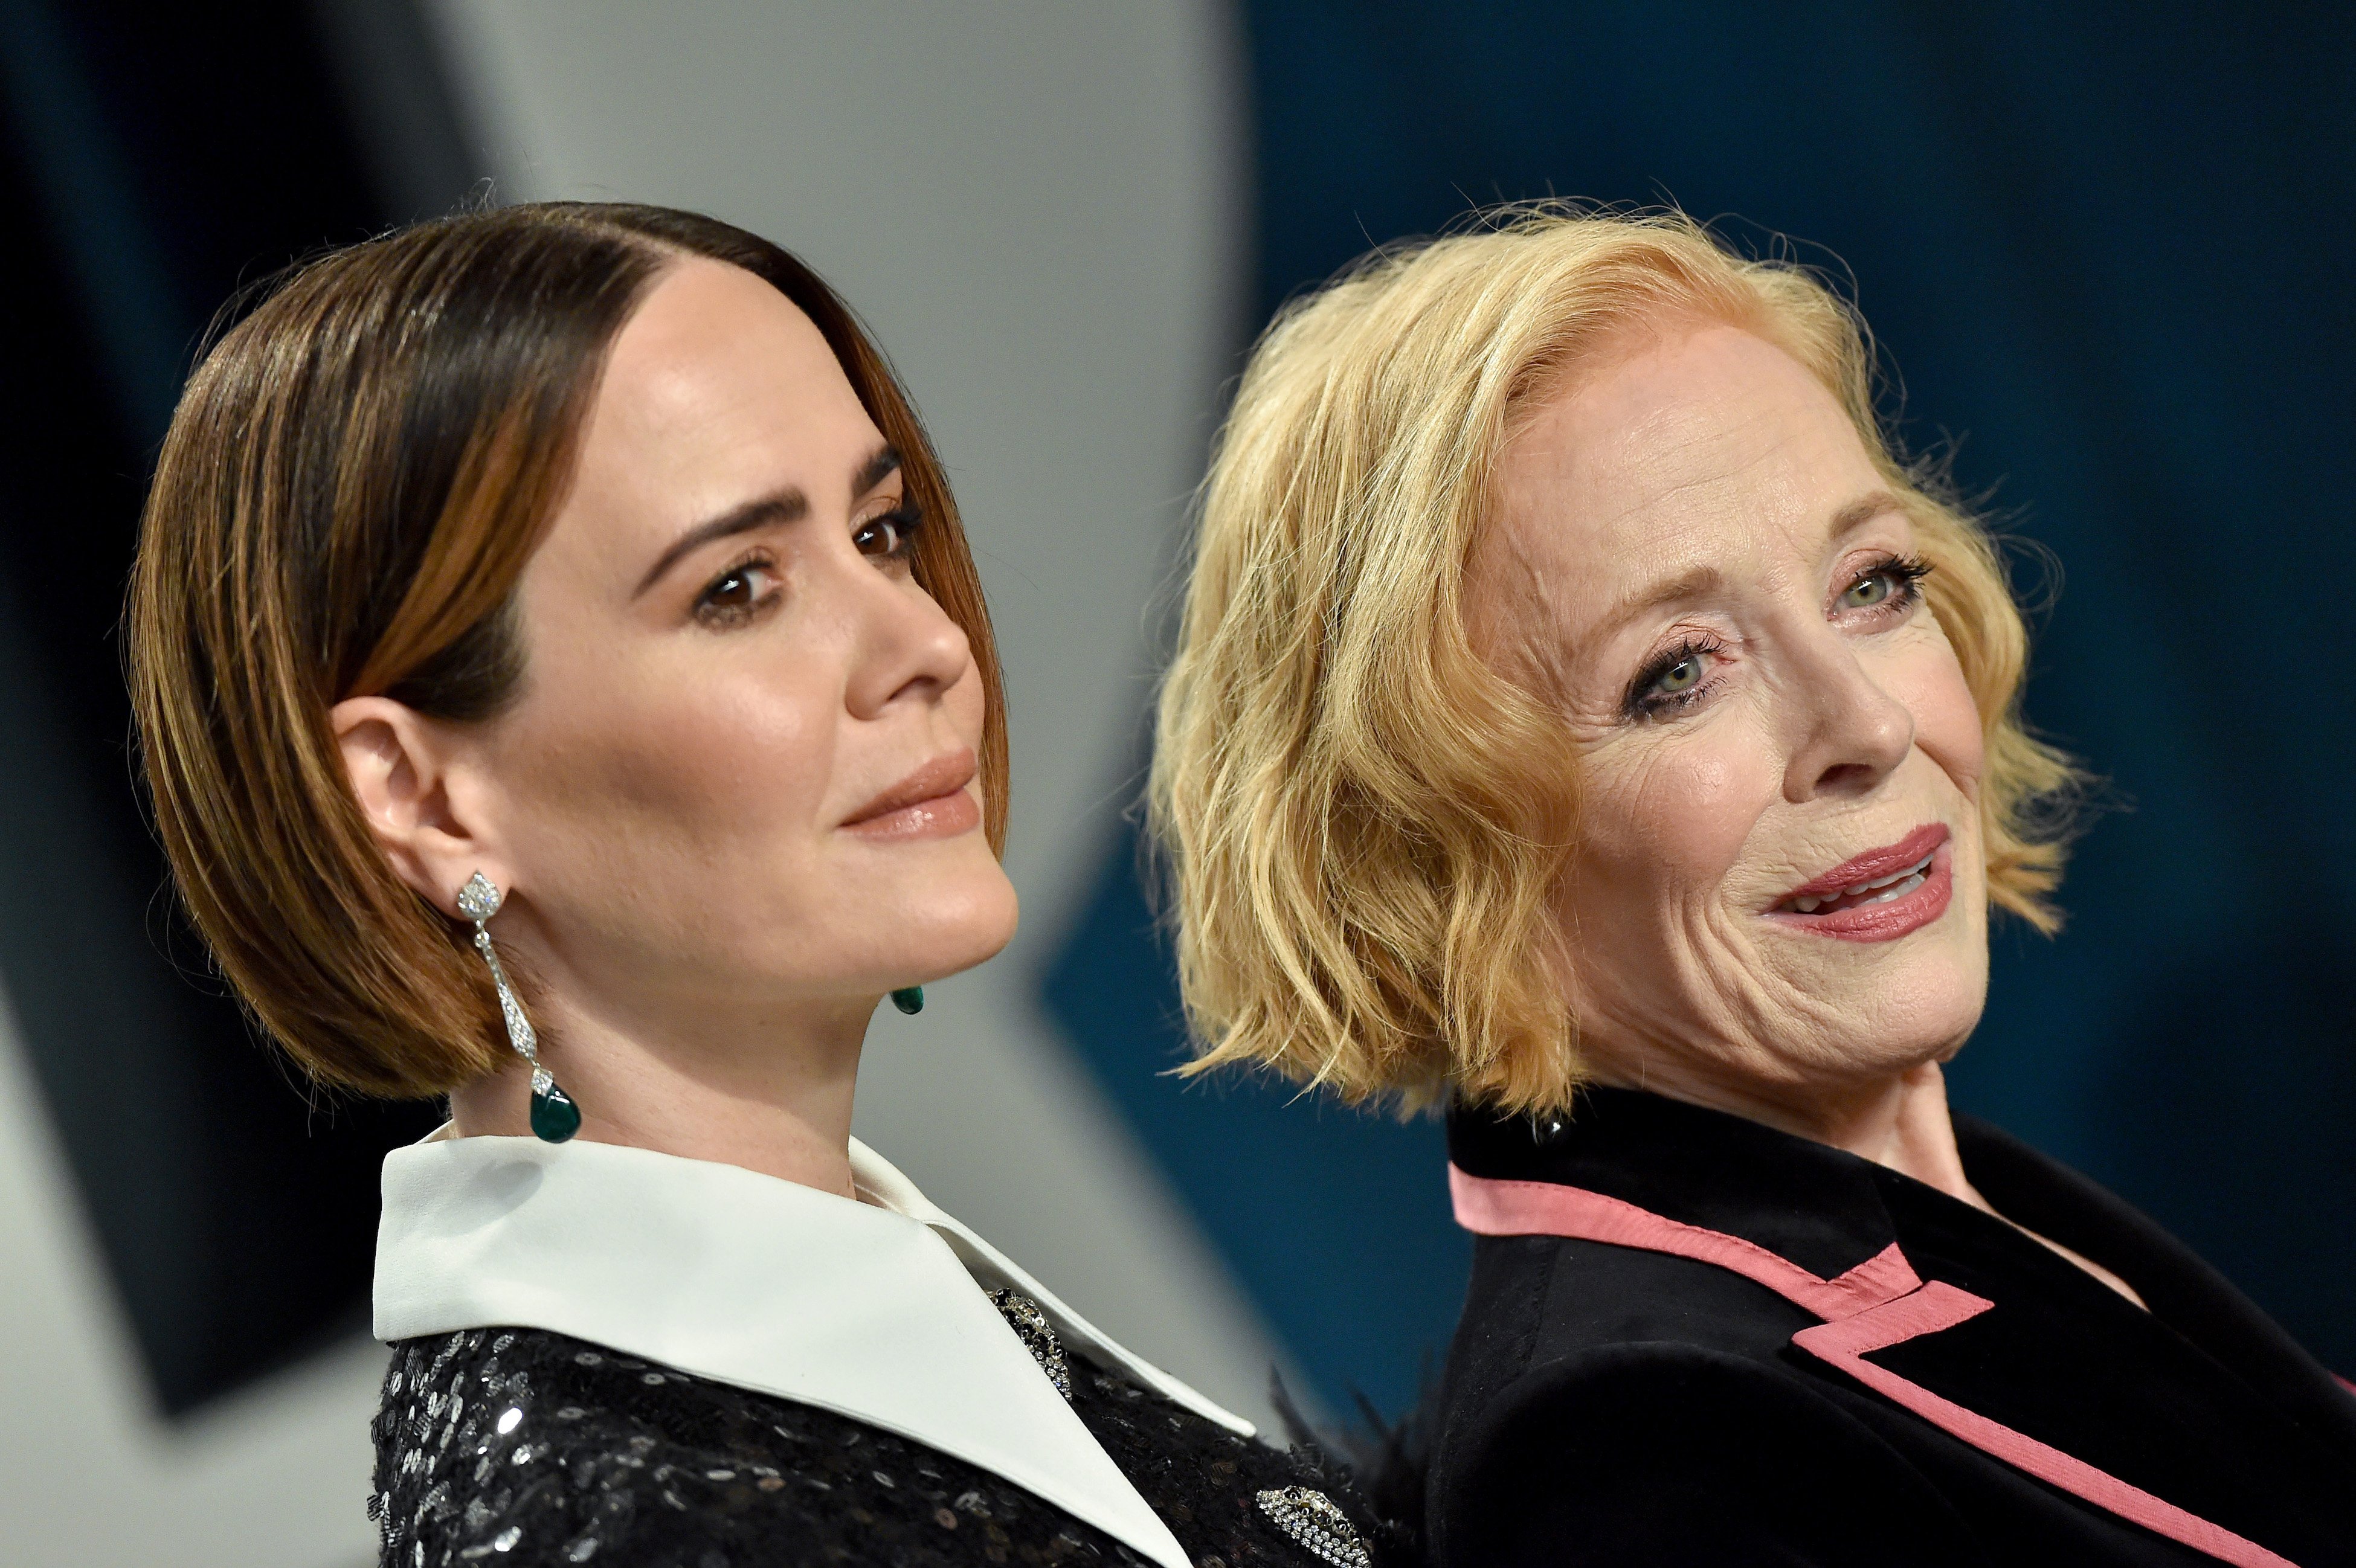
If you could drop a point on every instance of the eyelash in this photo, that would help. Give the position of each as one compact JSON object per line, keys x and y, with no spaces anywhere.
{"x":1905,"y":574}
{"x":1643,"y":702}
{"x":717,"y":614}
{"x":908,"y":520}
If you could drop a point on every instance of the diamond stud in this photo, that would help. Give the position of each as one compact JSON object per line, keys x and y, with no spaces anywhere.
{"x":479,"y":899}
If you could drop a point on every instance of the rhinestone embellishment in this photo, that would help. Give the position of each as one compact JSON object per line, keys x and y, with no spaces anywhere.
{"x":479,"y":900}
{"x":1038,"y":1336}
{"x":1314,"y":1523}
{"x":554,"y":1117}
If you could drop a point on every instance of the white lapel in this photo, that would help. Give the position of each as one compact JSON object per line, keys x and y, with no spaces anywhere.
{"x":880,"y":1182}
{"x":863,"y":1308}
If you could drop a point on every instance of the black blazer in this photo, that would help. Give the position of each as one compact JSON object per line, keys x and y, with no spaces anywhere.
{"x":1614,"y":1402}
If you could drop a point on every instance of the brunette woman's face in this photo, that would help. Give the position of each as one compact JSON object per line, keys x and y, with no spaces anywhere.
{"x":1778,"y":882}
{"x":741,"y":768}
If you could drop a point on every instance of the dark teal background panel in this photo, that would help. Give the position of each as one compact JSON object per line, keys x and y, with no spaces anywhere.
{"x":2107,"y":249}
{"x":1335,"y":1223}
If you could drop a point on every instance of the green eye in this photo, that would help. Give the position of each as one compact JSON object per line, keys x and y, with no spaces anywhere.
{"x":1672,"y":682}
{"x":1866,"y":592}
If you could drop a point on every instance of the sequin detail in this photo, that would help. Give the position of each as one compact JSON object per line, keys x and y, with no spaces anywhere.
{"x":601,"y":1466}
{"x":1317,"y":1523}
{"x":1038,"y":1336}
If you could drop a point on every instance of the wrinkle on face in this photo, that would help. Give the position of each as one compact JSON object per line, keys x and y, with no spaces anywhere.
{"x":1701,"y":451}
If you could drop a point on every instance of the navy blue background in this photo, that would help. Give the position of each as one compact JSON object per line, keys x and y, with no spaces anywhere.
{"x":2107,"y":250}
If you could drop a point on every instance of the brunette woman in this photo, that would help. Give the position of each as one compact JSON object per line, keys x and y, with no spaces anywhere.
{"x":565,"y":688}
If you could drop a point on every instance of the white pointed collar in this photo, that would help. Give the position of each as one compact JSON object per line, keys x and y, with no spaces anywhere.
{"x":870,"y":1310}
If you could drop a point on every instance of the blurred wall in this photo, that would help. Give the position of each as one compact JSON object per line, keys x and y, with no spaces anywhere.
{"x":1036,"y":208}
{"x":1039,"y":210}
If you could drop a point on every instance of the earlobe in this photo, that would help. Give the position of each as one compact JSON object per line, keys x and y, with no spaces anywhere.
{"x":397,"y":765}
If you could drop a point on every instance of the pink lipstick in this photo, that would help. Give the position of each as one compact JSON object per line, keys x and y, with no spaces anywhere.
{"x":1877,"y":896}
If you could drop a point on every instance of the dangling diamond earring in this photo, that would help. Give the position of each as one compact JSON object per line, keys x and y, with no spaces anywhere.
{"x":909,"y":998}
{"x":554,"y":1117}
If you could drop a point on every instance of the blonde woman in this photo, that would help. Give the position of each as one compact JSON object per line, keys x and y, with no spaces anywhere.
{"x":566,"y":689}
{"x":1584,"y":719}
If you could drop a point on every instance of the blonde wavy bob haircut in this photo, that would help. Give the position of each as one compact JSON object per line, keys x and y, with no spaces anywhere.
{"x":1363,"y":821}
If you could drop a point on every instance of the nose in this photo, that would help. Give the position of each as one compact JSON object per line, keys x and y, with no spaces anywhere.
{"x":906,"y":646}
{"x":1851,"y":732}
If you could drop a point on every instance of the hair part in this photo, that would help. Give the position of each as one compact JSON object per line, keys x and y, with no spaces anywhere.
{"x":1363,"y":822}
{"x":353,"y":483}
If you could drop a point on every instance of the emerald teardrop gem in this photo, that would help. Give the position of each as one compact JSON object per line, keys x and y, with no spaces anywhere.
{"x":554,"y":1117}
{"x":909,"y":998}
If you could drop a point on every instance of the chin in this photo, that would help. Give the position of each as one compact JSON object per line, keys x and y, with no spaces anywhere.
{"x":956,"y":926}
{"x":1913,"y":1013}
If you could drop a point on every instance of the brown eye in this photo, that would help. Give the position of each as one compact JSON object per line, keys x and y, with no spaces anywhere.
{"x":889,"y":536}
{"x":736,"y":594}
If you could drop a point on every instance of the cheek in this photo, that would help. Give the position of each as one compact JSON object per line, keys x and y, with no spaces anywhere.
{"x":704,"y":761}
{"x":1926,"y":677}
{"x":1665,"y":815}
{"x":967,"y":709}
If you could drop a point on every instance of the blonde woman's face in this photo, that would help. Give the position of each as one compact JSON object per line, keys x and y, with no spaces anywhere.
{"x":741,"y":769}
{"x":1779,"y":886}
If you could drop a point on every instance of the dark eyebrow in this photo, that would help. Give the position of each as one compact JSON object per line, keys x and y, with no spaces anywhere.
{"x":875,"y":470}
{"x":786,"y":505}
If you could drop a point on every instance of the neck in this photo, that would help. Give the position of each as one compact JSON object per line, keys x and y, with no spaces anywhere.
{"x":1900,"y":1120}
{"x":771,"y":1094}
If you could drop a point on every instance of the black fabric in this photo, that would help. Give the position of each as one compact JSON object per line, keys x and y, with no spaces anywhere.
{"x":1606,"y":1404}
{"x":608,"y":1458}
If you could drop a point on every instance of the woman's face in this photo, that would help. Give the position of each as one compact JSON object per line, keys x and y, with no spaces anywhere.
{"x":740,"y":769}
{"x":1693,"y":556}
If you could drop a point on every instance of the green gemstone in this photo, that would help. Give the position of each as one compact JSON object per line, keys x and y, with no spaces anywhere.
{"x":554,"y":1117}
{"x":909,"y":998}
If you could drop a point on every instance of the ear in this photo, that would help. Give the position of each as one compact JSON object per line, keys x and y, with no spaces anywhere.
{"x":401,"y":765}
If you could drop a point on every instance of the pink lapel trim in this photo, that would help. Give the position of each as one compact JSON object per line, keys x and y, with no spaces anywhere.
{"x":1874,"y":1306}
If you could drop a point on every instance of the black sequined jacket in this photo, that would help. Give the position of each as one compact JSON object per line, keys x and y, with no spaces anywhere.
{"x":609,"y":1355}
{"x":521,"y":1446}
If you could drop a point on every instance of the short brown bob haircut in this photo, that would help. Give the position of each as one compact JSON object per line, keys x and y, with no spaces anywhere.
{"x":355,"y":478}
{"x":1363,"y":822}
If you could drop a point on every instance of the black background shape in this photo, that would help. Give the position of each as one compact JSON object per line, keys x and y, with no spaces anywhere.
{"x":155,"y":159}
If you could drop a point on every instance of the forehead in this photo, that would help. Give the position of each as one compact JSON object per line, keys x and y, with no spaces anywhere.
{"x":717,"y":389}
{"x":1704,"y":446}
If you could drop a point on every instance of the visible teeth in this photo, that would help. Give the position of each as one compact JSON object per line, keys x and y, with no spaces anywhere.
{"x":1916,"y":870}
{"x":1898,"y":883}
